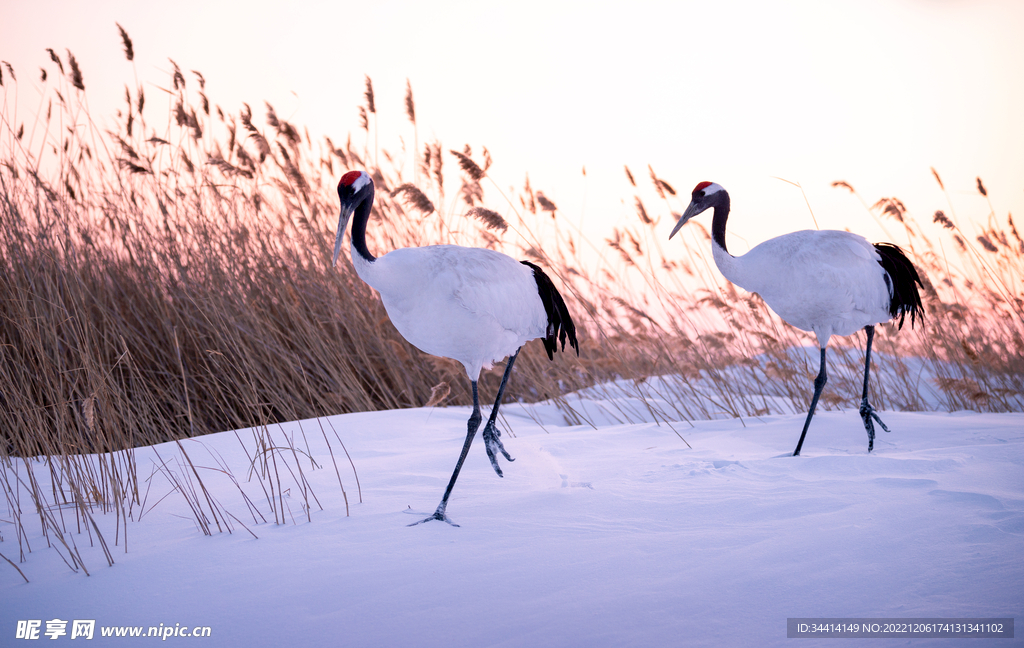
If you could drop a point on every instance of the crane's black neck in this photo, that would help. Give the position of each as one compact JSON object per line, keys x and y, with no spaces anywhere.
{"x":359,"y":220}
{"x":718,"y":222}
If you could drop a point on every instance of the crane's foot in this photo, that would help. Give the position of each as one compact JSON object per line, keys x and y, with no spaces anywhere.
{"x":868,"y":414}
{"x":439,"y":514}
{"x":494,"y":445}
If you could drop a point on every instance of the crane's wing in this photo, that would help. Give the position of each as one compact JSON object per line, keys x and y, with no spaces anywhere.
{"x":826,"y":281}
{"x":471,"y":304}
{"x":492,"y":284}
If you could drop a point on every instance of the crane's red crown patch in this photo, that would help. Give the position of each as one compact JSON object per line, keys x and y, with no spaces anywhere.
{"x":702,"y":186}
{"x":350,"y":177}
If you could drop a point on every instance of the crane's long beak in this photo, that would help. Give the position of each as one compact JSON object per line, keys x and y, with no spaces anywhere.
{"x":692,"y":210}
{"x":346,"y":214}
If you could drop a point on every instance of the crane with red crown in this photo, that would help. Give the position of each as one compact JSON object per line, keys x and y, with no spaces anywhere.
{"x":827,"y":282}
{"x":473,"y":305}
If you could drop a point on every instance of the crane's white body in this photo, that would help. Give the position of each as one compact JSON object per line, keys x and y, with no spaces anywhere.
{"x":473,"y":305}
{"x":826,"y":282}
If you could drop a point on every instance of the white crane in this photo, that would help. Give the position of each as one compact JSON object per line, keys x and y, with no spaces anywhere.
{"x":827,"y":282}
{"x":470,"y":304}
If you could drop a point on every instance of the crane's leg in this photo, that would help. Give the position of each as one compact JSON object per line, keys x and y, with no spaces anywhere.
{"x":866,"y":411}
{"x":819,"y":384}
{"x":491,"y":432}
{"x":473,"y":425}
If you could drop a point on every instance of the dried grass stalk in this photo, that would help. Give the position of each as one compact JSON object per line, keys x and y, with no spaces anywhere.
{"x":489,"y":217}
{"x":410,"y":105}
{"x":414,"y":197}
{"x":129,"y":51}
{"x":369,"y":96}
{"x":438,"y":393}
{"x":546,"y":204}
{"x":941,"y":218}
{"x":76,"y":72}
{"x":467,"y":164}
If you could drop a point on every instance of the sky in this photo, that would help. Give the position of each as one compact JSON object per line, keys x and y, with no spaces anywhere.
{"x":739,"y":92}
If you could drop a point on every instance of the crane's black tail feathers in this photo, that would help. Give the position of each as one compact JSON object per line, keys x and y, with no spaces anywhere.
{"x":902,"y":279}
{"x":559,"y":321}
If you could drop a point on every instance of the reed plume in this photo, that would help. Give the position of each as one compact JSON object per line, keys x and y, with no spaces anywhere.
{"x":414,"y":196}
{"x":129,"y":50}
{"x":466,"y":163}
{"x":76,"y":72}
{"x":489,"y":217}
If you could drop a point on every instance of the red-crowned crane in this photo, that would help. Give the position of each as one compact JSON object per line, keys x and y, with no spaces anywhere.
{"x":469,"y":304}
{"x":827,"y":282}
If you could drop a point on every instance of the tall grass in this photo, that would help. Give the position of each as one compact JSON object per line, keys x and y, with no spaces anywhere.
{"x":166,"y":280}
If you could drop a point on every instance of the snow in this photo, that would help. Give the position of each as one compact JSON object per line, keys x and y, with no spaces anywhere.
{"x":614,"y":535}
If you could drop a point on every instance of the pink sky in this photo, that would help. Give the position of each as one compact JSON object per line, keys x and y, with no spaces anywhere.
{"x":871,"y":92}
